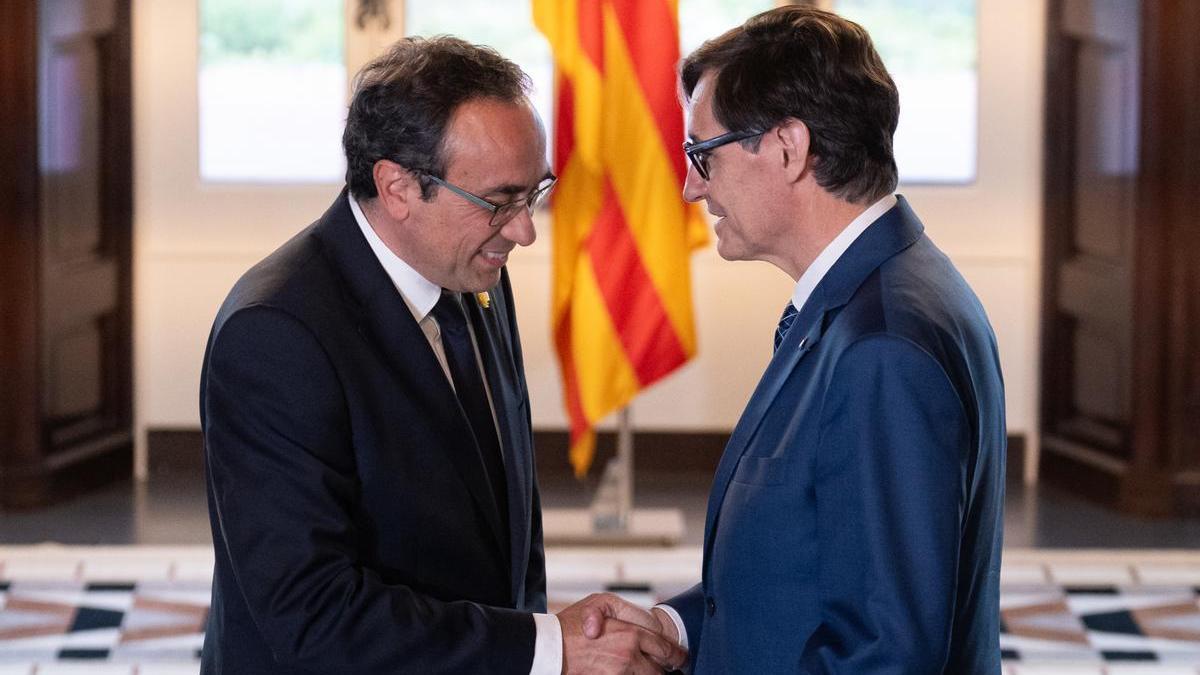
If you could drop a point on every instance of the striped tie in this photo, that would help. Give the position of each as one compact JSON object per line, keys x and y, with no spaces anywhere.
{"x":785,"y":322}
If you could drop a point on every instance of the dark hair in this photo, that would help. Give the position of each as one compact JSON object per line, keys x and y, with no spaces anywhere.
{"x":404,"y":99}
{"x":814,"y":66}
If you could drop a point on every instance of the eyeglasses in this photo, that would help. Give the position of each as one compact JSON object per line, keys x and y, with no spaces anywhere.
{"x":699,"y":151}
{"x":502,"y":213}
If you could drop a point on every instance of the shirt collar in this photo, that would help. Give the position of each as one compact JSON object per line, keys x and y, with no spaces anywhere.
{"x":419,"y":293}
{"x":834,"y":250}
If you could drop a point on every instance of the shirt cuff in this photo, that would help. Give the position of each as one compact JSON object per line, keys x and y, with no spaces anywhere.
{"x":548,"y":646}
{"x":683,"y":641}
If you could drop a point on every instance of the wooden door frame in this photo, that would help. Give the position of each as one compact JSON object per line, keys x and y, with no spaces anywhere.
{"x":1058,"y":151}
{"x":19,"y":434}
{"x":31,"y":473}
{"x":1159,"y":478}
{"x":1166,"y":313}
{"x":117,"y":188}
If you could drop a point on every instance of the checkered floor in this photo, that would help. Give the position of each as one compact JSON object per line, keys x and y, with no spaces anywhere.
{"x":140,"y":611}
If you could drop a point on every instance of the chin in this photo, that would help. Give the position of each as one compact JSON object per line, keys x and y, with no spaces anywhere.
{"x":728,"y":252}
{"x":483,"y":283}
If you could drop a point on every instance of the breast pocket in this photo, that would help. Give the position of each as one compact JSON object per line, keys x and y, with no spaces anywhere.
{"x":760,"y":470}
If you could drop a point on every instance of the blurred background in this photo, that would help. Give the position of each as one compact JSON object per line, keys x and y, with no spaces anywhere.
{"x":153,"y":150}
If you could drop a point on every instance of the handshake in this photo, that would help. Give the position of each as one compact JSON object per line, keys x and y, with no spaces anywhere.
{"x":603,"y":633}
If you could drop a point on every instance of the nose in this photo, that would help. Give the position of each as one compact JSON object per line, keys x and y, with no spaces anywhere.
{"x":694,"y":187}
{"x":520,"y":230}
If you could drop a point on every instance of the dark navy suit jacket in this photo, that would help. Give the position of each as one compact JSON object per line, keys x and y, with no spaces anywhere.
{"x":854,"y":524}
{"x":354,"y":526}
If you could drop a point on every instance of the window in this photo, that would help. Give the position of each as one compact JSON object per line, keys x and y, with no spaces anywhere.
{"x":505,"y":26}
{"x":508,"y":27}
{"x":272,"y":90}
{"x":930,"y":48}
{"x":273,"y":76}
{"x":701,"y":20}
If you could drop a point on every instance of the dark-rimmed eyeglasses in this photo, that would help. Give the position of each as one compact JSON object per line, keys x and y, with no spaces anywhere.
{"x":698,"y":152}
{"x":502,"y":213}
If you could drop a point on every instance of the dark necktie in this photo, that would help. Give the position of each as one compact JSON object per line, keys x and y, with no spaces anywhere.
{"x":785,"y":323}
{"x":468,"y":385}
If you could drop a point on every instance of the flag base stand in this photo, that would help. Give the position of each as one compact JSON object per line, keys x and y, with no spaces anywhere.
{"x":646,"y":527}
{"x":611,"y":519}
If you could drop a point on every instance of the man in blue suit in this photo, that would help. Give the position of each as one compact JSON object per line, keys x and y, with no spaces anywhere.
{"x":368,"y":449}
{"x":854,"y":524}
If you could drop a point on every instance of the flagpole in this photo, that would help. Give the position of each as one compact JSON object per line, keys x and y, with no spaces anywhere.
{"x":611,"y":519}
{"x":625,"y":459}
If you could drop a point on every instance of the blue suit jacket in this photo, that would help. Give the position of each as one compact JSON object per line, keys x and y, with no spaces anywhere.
{"x":354,"y":525}
{"x":855,"y":521}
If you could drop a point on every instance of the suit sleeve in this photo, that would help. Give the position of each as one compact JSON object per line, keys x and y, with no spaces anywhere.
{"x":889,"y":495}
{"x":283,"y":485}
{"x":690,"y":607}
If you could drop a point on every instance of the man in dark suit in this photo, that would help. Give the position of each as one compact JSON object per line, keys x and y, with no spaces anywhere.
{"x":372,"y":493}
{"x":854,"y":524}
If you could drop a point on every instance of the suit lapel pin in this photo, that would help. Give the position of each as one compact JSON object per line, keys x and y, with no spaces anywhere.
{"x":484,"y":299}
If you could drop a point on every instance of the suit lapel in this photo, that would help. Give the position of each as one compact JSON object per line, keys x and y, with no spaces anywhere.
{"x":805,"y":333}
{"x":385,"y":321}
{"x":893,"y":232}
{"x":500,"y":368}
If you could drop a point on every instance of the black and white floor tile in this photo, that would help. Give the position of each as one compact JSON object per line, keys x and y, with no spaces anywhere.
{"x":141,"y":610}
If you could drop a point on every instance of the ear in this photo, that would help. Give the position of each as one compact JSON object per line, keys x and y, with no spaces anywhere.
{"x":792,"y":136}
{"x":397,"y":188}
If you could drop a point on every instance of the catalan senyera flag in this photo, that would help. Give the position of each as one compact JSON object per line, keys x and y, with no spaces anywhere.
{"x":622,"y":233}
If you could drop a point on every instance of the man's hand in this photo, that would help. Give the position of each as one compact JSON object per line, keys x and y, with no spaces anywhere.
{"x":596,"y":613}
{"x":604,"y":633}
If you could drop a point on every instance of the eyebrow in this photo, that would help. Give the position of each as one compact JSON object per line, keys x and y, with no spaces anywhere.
{"x":512,"y":190}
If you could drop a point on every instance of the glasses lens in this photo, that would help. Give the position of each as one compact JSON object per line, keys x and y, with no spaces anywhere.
{"x":700,"y":161}
{"x":506,"y":213}
{"x":539,"y":195}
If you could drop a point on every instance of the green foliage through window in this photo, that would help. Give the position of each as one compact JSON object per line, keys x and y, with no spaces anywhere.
{"x":271,"y":30}
{"x":918,"y":35}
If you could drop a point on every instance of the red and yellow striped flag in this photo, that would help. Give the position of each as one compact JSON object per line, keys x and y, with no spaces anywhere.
{"x":622,"y":232}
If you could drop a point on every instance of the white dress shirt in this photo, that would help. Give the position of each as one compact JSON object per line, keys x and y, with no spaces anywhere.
{"x":804,"y":287}
{"x":421,"y":294}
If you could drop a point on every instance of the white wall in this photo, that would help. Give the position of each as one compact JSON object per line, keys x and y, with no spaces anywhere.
{"x":192,"y":241}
